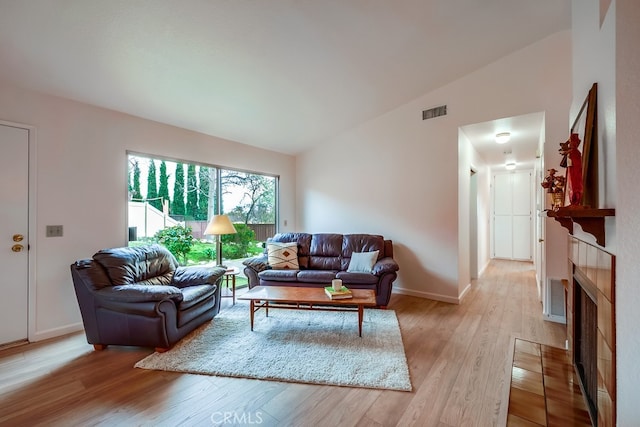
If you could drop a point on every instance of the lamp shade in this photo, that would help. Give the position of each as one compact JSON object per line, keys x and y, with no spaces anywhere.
{"x":219,"y":225}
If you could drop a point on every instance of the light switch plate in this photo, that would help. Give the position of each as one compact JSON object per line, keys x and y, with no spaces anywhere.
{"x":54,"y":231}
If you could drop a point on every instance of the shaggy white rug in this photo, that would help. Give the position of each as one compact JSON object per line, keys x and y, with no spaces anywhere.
{"x":316,"y":347}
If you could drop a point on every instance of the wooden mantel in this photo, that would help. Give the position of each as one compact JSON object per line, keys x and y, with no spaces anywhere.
{"x":591,"y":220}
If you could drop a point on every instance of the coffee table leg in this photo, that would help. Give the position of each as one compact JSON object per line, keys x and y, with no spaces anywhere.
{"x":252,"y":307}
{"x":360,"y":313}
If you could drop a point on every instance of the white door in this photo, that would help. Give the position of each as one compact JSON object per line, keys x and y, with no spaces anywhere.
{"x":512,"y":216}
{"x":502,"y":216}
{"x":522,"y":215}
{"x":14,"y":226}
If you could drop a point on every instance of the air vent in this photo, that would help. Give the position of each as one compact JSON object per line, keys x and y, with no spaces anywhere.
{"x":434,"y":112}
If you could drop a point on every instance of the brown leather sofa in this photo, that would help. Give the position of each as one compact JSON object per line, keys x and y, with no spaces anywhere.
{"x":323,"y":257}
{"x":140,"y":296}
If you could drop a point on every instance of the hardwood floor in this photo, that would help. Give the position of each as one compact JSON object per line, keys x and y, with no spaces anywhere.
{"x":459,"y":358}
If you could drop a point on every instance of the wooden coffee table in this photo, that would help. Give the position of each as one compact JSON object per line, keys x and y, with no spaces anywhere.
{"x":307,"y":299}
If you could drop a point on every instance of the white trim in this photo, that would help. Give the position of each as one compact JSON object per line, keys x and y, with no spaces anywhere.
{"x":464,"y":292}
{"x":32,"y":209}
{"x":554,"y":318}
{"x":427,"y":295}
{"x":482,"y":270}
{"x":31,"y":285}
{"x":56,"y":332}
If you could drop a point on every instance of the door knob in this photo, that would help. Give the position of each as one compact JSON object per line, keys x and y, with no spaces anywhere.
{"x":540,"y":240}
{"x":17,"y":248}
{"x":18,"y":237}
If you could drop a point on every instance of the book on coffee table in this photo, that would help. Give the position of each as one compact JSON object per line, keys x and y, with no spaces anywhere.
{"x":343,"y":293}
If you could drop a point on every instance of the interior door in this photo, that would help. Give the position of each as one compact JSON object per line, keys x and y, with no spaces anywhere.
{"x":14,"y":226}
{"x":512,"y":216}
{"x":522,"y":216}
{"x":502,"y":216}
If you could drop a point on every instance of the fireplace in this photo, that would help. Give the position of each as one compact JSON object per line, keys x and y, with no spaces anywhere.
{"x":591,"y":327}
{"x":585,"y":347}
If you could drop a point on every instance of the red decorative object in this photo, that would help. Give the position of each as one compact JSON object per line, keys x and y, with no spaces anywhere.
{"x":572,"y":160}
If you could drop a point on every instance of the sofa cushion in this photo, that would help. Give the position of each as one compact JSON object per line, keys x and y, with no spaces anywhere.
{"x":283,"y":256}
{"x":151,"y":265}
{"x":362,"y":262}
{"x":359,"y":278}
{"x":192,"y":295}
{"x":279,"y":275}
{"x":141,"y":293}
{"x":316,"y":276}
{"x":361,"y":243}
{"x":325,"y":252}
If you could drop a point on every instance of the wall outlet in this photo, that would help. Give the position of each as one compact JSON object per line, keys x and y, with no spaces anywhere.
{"x":54,"y":231}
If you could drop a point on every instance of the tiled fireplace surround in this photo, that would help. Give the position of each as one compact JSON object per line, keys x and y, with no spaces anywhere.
{"x":591,"y":317}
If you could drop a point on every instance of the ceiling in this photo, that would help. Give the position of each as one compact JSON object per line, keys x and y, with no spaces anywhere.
{"x":522,"y":148}
{"x":279,"y":74}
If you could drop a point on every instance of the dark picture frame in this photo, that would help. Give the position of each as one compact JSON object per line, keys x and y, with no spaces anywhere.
{"x":585,"y":125}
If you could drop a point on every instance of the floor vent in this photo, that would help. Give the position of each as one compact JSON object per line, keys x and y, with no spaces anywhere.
{"x":555,"y":301}
{"x":434,"y":112}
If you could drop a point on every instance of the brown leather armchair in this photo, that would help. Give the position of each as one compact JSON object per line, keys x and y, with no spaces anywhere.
{"x":140,"y":296}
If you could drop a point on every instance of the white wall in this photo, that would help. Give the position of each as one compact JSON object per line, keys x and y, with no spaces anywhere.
{"x":624,"y":128}
{"x":607,"y":53}
{"x":397,"y":175}
{"x":469,"y":158}
{"x":81,"y":184}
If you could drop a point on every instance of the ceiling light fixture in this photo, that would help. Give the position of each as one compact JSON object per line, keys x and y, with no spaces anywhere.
{"x":510,"y":166}
{"x":503,"y":137}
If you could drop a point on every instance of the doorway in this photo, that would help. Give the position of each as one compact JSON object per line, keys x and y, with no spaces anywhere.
{"x":473,"y":225}
{"x":14,"y":226}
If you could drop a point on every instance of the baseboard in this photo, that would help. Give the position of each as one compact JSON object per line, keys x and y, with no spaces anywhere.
{"x":55,"y":332}
{"x":464,"y":292}
{"x":427,"y":295}
{"x":481,"y":272}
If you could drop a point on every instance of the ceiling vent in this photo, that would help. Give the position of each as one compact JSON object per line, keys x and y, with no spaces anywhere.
{"x":434,"y":112}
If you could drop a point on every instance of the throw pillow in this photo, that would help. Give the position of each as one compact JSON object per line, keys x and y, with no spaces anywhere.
{"x":362,"y":262}
{"x":283,"y":256}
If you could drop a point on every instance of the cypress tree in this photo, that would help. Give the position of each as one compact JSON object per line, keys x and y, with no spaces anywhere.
{"x":135,"y":190}
{"x":177,"y":207}
{"x":191,"y":210}
{"x":152,"y":186}
{"x":203,"y":194}
{"x":163,"y":190}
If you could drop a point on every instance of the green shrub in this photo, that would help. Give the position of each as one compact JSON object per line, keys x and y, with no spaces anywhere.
{"x":177,"y":239}
{"x":239,"y":245}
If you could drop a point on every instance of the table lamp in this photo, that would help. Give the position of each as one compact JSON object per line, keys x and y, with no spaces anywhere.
{"x":219,"y":225}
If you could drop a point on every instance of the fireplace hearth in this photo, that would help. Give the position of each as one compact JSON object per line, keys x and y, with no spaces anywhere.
{"x":591,"y":327}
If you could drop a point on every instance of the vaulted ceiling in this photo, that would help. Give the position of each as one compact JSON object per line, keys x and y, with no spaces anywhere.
{"x":278,"y":74}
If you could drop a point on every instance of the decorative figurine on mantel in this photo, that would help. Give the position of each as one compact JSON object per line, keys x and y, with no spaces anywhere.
{"x":555,"y":186}
{"x":572,"y":160}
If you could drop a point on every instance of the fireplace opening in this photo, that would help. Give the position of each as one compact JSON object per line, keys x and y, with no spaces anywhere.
{"x":586,"y":345}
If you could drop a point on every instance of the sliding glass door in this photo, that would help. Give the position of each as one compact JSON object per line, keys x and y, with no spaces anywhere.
{"x":171,"y":203}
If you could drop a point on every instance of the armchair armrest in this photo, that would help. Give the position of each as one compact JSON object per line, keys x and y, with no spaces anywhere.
{"x":257,"y":264}
{"x":385,"y":265}
{"x":194,"y":275}
{"x":139,"y":293}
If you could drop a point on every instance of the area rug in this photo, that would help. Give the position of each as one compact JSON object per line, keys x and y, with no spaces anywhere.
{"x":315,"y":347}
